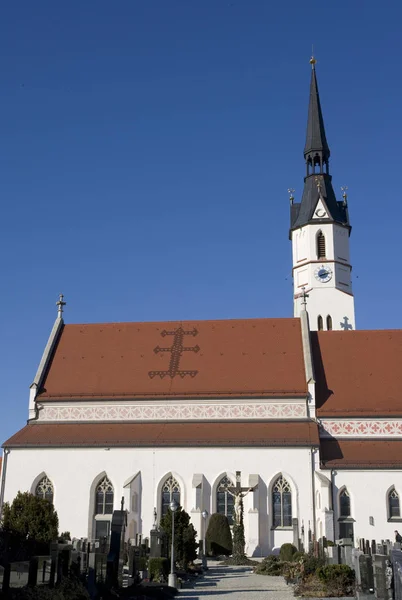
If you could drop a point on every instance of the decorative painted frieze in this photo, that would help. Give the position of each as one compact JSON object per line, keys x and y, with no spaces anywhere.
{"x":173,"y":411}
{"x":361,"y":428}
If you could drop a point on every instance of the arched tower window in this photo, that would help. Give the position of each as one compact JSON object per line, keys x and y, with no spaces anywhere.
{"x":44,"y":489}
{"x":224,"y":500}
{"x":329,"y":323}
{"x":104,"y":498}
{"x":320,"y":245}
{"x":282,"y":503}
{"x":320,"y":323}
{"x":170,"y":491}
{"x":394,"y":510}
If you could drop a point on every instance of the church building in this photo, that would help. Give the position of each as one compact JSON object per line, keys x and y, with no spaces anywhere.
{"x":306,"y":410}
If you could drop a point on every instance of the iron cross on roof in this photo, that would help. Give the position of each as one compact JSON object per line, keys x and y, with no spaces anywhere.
{"x":60,"y":305}
{"x":304,"y":294}
{"x":176,"y":350}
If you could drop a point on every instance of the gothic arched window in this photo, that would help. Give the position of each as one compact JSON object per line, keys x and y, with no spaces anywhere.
{"x":170,"y":491}
{"x":344,"y":503}
{"x":329,"y":323}
{"x":224,"y":500}
{"x":394,"y":510}
{"x":320,"y":245}
{"x":44,"y":489}
{"x":104,"y":498}
{"x":320,"y":323}
{"x":282,"y":503}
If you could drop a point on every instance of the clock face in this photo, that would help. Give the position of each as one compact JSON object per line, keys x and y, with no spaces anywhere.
{"x":323,"y":274}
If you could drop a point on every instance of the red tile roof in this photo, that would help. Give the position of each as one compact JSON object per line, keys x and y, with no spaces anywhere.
{"x":354,"y":454}
{"x":296,"y":433}
{"x":253,"y":357}
{"x":358,"y":373}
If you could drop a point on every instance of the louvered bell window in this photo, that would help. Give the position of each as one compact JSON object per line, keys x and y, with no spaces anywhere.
{"x":320,"y":245}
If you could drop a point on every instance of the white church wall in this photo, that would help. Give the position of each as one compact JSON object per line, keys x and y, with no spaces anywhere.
{"x":368,"y":495}
{"x":74,"y":471}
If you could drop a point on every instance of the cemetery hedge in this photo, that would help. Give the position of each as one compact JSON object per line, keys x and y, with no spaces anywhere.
{"x":158,"y":569}
{"x":218,"y":538}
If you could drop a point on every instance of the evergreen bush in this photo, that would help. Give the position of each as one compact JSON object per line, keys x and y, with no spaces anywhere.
{"x":286,"y":552}
{"x":185,"y":544}
{"x":218,"y":539}
{"x":158,"y":569}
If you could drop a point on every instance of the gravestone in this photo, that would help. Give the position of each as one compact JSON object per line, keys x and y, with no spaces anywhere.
{"x":366,"y":573}
{"x":114,"y":573}
{"x":382,"y":583}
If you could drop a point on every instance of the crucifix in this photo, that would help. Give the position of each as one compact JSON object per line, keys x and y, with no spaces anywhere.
{"x":238,"y":493}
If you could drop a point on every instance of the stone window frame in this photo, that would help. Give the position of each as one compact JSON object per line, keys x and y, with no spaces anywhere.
{"x":43,"y":477}
{"x":391,"y":519}
{"x":92,"y":517}
{"x":281,"y":480}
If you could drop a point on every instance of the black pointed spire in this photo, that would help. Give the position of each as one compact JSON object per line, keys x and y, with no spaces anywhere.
{"x":316,"y":141}
{"x":318,"y":181}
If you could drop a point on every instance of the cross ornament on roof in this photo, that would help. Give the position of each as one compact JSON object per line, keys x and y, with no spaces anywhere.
{"x":304,"y":294}
{"x":60,"y":306}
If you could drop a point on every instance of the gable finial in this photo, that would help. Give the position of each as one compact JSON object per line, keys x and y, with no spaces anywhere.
{"x":344,"y":189}
{"x":291,"y":197}
{"x":60,"y":306}
{"x":312,"y":59}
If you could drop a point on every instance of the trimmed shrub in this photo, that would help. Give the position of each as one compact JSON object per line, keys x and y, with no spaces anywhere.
{"x":158,"y":569}
{"x":311,"y":563}
{"x":286,"y":552}
{"x":297,"y":556}
{"x":218,"y":538}
{"x":270,"y":566}
{"x":185,"y":544}
{"x":338,"y":575}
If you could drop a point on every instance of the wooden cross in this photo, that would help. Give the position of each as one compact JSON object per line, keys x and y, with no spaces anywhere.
{"x":176,"y":350}
{"x":238,"y":493}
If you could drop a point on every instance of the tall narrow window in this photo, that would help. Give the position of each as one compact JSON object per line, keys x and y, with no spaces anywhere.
{"x":346,"y":529}
{"x":320,"y":245}
{"x":170,"y":491}
{"x":393,"y":505}
{"x":44,"y":489}
{"x":320,"y":323}
{"x":224,"y":500}
{"x":281,"y":503}
{"x":329,"y":323}
{"x":104,"y":498}
{"x":344,"y":503}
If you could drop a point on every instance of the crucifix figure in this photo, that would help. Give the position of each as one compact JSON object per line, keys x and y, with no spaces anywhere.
{"x":238,"y":493}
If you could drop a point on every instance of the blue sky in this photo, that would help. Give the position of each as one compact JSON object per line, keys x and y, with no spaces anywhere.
{"x":146,"y":149}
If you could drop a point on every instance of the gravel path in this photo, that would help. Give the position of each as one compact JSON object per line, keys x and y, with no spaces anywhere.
{"x":237,"y":583}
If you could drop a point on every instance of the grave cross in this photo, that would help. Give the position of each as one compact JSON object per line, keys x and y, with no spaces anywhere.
{"x":238,"y":493}
{"x":122,"y":503}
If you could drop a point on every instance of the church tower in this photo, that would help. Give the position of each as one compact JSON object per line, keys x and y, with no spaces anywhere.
{"x":320,"y":230}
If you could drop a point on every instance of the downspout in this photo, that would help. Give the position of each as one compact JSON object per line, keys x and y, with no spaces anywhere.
{"x":3,"y":479}
{"x":333,"y":501}
{"x":312,"y":458}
